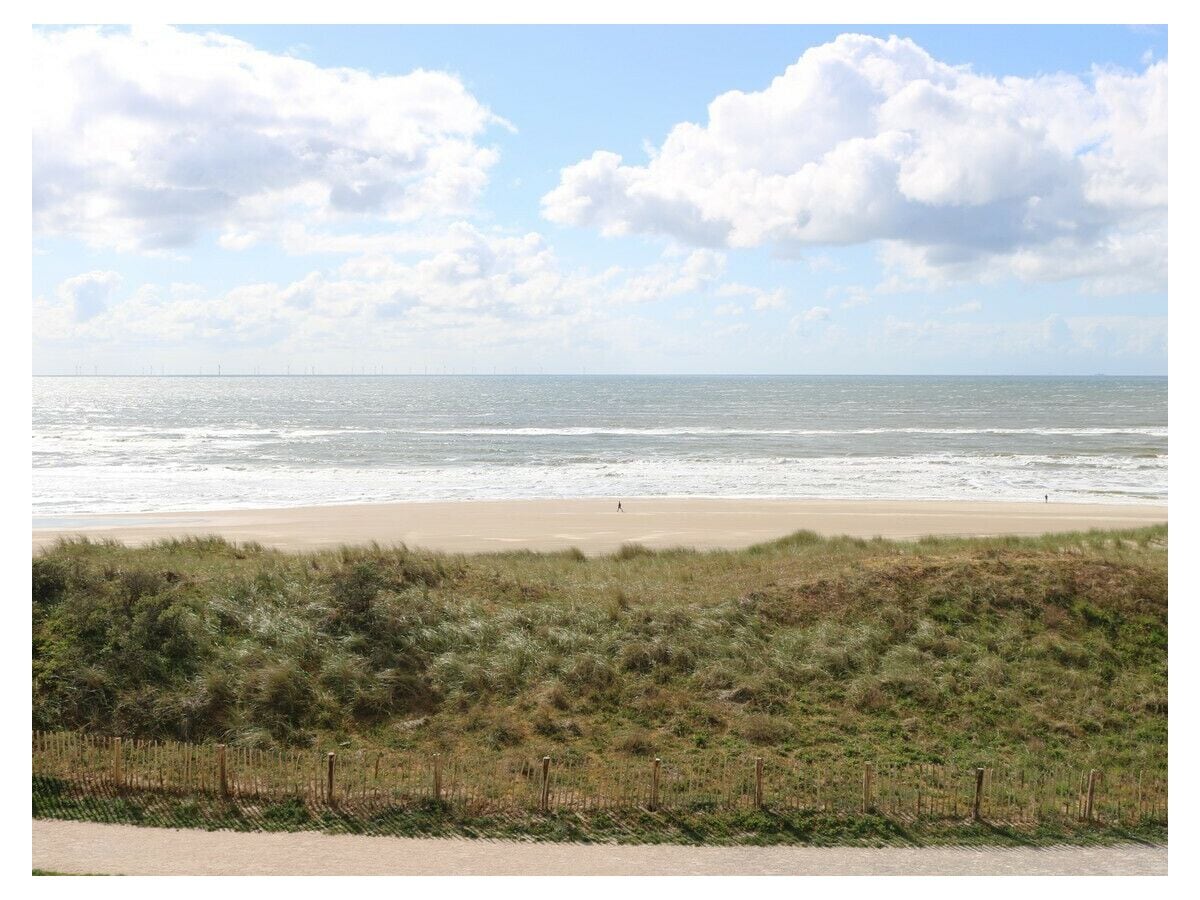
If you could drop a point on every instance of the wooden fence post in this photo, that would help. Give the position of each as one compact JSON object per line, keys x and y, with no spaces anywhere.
{"x":977,"y":807}
{"x":758,"y":782}
{"x":116,"y":762}
{"x":329,"y":778}
{"x":184,"y":766}
{"x":1089,"y":804}
{"x":654,"y":784}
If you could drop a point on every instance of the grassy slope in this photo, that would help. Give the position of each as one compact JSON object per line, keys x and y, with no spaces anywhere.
{"x":961,"y":651}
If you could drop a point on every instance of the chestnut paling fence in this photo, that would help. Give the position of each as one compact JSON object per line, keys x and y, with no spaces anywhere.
{"x":507,"y":783}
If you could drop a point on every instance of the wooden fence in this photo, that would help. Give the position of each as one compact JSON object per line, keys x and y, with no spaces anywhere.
{"x":516,"y":783}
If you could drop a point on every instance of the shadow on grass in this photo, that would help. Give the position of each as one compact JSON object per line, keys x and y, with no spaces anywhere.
{"x":57,"y":799}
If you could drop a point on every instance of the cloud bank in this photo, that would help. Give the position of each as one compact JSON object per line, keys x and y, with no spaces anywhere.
{"x":469,"y":287}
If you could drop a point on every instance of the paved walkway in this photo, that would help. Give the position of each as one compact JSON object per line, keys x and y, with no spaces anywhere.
{"x":130,"y":850}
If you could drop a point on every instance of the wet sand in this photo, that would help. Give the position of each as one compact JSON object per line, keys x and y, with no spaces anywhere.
{"x":595,"y":526}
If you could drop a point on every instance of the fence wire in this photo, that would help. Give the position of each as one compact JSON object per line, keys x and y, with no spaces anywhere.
{"x":514,"y":782}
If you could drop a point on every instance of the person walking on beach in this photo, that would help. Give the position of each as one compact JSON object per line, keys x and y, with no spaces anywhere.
{"x":619,"y":507}
{"x":1047,"y":498}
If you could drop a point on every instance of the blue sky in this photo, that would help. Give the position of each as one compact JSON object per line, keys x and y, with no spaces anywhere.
{"x":967,"y":199}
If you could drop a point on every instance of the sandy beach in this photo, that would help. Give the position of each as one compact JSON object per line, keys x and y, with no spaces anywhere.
{"x":595,"y":526}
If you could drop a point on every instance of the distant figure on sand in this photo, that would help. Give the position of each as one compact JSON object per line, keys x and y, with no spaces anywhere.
{"x":619,"y":507}
{"x":1047,"y":498}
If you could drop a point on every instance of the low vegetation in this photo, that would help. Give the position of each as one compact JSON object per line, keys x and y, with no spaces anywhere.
{"x":963,"y":652}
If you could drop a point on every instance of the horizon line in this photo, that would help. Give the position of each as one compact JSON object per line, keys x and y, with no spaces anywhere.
{"x":598,"y":375}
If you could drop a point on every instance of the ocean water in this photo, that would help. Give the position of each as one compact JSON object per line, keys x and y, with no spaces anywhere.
{"x":123,"y":445}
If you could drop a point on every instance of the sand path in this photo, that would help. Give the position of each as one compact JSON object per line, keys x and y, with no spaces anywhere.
{"x":125,"y":849}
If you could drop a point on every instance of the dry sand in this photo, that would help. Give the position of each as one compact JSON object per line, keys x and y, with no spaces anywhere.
{"x":88,"y":847}
{"x":595,"y":526}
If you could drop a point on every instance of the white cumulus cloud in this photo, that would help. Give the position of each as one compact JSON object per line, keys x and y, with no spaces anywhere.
{"x":146,"y":138}
{"x":963,"y":176}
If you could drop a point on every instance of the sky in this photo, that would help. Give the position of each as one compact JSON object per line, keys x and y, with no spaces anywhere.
{"x":716,"y":199}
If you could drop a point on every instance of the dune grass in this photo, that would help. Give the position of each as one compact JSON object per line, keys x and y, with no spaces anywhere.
{"x":958,"y":651}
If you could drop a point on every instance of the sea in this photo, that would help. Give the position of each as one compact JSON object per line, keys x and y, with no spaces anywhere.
{"x":141,"y":444}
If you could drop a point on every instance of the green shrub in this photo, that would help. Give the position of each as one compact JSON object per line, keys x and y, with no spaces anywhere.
{"x":49,"y":581}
